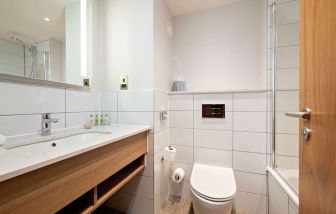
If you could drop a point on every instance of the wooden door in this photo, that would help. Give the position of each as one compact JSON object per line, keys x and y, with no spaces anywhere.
{"x":318,"y":92}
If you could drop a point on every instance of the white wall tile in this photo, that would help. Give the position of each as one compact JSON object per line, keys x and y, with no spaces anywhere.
{"x":161,"y":140}
{"x":287,"y":12}
{"x":287,"y":144}
{"x":160,"y":124}
{"x":249,"y":162}
{"x":113,"y":117}
{"x":213,"y":139}
{"x":252,"y":183}
{"x":136,"y":118}
{"x":183,"y":137}
{"x":181,"y":119}
{"x":77,"y":101}
{"x":220,"y":98}
{"x":288,"y":35}
{"x":269,"y":143}
{"x":184,"y":154}
{"x":180,"y":190}
{"x":287,"y":162}
{"x":278,"y":200}
{"x":285,"y":124}
{"x":141,"y":100}
{"x":78,"y":118}
{"x":287,"y":101}
{"x":249,"y":142}
{"x":213,"y":123}
{"x":181,"y":102}
{"x":26,"y":99}
{"x":213,"y":157}
{"x":249,"y":121}
{"x":140,"y":186}
{"x":24,"y":124}
{"x":109,"y":101}
{"x":250,"y":101}
{"x":288,"y":57}
{"x":161,"y":101}
{"x":160,"y":181}
{"x":287,"y":78}
{"x":251,"y":203}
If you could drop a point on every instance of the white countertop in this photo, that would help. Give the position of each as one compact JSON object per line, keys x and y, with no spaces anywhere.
{"x":20,"y":160}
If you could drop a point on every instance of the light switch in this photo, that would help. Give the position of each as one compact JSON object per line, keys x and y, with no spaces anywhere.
{"x":123,"y":82}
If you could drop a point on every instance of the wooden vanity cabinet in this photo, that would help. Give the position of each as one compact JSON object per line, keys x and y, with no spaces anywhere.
{"x":76,"y":185}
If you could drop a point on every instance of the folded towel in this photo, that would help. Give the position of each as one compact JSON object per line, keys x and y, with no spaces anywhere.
{"x":2,"y":140}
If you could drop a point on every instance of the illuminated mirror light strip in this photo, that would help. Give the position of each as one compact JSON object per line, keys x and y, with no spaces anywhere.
{"x":83,"y":9}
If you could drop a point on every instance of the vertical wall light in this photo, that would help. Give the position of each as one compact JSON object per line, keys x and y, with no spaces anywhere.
{"x":83,"y":29}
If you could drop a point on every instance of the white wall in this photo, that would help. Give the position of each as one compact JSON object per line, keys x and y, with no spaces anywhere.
{"x":238,"y":141}
{"x":123,"y":42}
{"x":222,"y":48}
{"x":163,"y":45}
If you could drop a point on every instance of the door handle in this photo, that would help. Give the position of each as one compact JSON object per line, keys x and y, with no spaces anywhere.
{"x":305,"y":114}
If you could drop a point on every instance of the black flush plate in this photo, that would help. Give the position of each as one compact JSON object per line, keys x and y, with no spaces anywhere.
{"x":213,"y":111}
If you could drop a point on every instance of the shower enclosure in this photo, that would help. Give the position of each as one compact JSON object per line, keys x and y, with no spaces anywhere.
{"x":30,"y":60}
{"x":284,"y":52}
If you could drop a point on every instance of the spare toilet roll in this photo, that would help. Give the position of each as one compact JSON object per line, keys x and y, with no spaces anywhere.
{"x":170,"y":153}
{"x":178,"y":175}
{"x":2,"y":140}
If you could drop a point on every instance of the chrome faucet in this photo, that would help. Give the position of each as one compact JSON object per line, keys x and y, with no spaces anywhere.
{"x":46,"y":124}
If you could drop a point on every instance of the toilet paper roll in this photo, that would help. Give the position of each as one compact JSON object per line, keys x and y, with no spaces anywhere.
{"x":2,"y":140}
{"x":170,"y":153}
{"x":178,"y":175}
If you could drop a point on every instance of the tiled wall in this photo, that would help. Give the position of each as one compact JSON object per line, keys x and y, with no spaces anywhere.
{"x":238,"y":141}
{"x":142,"y":107}
{"x":279,"y":202}
{"x":22,"y":106}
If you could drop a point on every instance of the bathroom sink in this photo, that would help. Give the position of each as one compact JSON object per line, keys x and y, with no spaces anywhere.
{"x":59,"y":136}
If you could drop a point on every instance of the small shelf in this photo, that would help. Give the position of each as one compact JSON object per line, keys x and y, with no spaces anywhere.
{"x":80,"y":205}
{"x":91,"y":200}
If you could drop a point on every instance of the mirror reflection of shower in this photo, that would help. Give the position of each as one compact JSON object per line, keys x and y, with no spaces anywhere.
{"x":35,"y":62}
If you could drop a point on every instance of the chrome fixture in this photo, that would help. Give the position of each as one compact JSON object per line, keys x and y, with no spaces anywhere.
{"x":46,"y":124}
{"x":164,"y":115}
{"x":305,"y":114}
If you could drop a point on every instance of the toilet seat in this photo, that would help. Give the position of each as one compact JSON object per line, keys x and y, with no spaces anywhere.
{"x":211,"y":199}
{"x":213,"y":183}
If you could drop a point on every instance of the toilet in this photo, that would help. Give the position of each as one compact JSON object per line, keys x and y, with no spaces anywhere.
{"x":213,"y":189}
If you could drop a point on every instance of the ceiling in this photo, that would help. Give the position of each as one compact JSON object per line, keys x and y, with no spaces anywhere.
{"x":24,"y":19}
{"x":181,"y":7}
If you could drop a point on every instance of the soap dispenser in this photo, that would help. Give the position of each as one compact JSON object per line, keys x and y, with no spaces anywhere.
{"x":106,"y":120}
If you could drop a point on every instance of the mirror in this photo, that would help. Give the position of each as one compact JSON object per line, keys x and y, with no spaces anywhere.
{"x":45,"y":40}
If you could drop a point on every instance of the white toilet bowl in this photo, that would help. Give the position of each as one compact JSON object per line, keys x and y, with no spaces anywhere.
{"x":213,"y":189}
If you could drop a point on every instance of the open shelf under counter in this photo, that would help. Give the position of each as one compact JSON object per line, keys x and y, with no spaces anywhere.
{"x":79,"y":184}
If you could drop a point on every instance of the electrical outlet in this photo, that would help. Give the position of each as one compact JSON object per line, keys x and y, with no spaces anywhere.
{"x":123,"y":82}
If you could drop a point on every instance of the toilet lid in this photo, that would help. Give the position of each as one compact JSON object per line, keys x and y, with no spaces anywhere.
{"x":213,"y":182}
